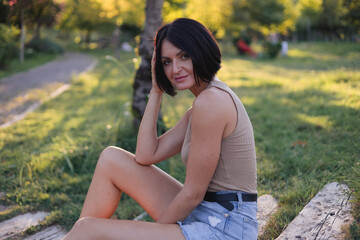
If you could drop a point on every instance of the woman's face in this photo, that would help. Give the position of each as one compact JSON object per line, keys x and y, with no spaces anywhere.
{"x":178,"y":66}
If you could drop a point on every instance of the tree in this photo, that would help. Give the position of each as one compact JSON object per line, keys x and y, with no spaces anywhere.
{"x":214,"y":15}
{"x":142,"y":82}
{"x":42,"y":13}
{"x":85,"y":15}
{"x":122,"y":12}
{"x":329,"y":21}
{"x":4,"y":12}
{"x":309,"y":14}
{"x":256,"y":15}
{"x":106,"y":17}
{"x":352,"y":15}
{"x":33,"y":14}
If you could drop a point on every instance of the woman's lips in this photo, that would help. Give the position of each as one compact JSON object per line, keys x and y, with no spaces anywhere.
{"x":181,"y":78}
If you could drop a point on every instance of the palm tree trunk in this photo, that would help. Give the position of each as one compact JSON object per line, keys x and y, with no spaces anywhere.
{"x":142,"y":81}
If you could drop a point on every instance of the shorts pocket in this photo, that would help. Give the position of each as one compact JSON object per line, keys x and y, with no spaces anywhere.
{"x":240,"y":227}
{"x":250,"y":230}
{"x":211,"y":214}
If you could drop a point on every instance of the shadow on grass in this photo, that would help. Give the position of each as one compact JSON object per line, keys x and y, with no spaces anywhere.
{"x":304,"y":140}
{"x":48,"y":158}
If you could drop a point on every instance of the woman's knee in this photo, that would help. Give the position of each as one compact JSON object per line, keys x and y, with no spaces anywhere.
{"x":82,"y":228}
{"x":114,"y":157}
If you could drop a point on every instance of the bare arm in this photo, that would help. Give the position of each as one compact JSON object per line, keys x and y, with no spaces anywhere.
{"x":150,"y":148}
{"x":203,"y":155}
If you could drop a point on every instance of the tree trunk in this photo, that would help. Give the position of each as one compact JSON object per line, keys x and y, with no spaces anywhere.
{"x":308,"y":31}
{"x":22,"y":36}
{"x":37,"y":31}
{"x":142,"y":81}
{"x":117,"y":41}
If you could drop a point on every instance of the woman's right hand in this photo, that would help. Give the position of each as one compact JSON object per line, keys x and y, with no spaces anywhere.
{"x":155,"y":87}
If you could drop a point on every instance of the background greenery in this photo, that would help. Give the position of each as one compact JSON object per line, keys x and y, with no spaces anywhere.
{"x":304,"y":109}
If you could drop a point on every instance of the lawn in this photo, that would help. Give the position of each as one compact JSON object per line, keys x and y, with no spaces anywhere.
{"x":305,"y":110}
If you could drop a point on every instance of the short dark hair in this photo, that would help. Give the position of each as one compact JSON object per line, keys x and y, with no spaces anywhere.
{"x":197,"y":41}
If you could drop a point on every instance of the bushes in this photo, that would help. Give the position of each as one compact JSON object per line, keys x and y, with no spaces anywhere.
{"x":45,"y":45}
{"x":271,"y":49}
{"x":8,"y":48}
{"x":9,"y":45}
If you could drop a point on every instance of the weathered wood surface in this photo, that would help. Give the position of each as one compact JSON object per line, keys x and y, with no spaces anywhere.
{"x":323,"y":217}
{"x":50,"y":233}
{"x":20,"y":223}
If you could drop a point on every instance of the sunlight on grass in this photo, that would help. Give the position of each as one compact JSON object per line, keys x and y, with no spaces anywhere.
{"x":318,"y":121}
{"x":305,"y":110}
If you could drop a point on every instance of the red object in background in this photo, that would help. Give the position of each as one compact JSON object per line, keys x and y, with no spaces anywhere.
{"x":244,"y":48}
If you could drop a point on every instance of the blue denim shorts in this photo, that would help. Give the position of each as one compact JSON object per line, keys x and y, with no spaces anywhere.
{"x":211,"y":221}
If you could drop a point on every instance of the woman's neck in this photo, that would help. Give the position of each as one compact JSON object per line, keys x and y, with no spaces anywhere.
{"x":196,"y":90}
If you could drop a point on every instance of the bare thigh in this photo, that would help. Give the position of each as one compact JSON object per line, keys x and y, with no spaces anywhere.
{"x":117,"y":169}
{"x":110,"y":229}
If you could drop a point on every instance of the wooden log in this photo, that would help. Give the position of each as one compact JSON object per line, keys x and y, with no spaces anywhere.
{"x":323,"y":217}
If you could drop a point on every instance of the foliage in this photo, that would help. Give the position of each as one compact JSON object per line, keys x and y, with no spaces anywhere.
{"x":101,"y":16}
{"x":329,"y":19}
{"x":45,"y":45}
{"x":258,"y":15}
{"x":214,"y":17}
{"x":84,"y":15}
{"x":8,"y":48}
{"x":4,"y":12}
{"x":271,"y":49}
{"x":36,"y":13}
{"x":352,"y":15}
{"x":123,"y":11}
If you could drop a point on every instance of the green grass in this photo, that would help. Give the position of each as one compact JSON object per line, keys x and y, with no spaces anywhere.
{"x":305,"y":110}
{"x":30,"y":62}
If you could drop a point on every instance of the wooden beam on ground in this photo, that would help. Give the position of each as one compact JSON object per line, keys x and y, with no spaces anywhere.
{"x":20,"y":223}
{"x":322,"y":217}
{"x":50,"y":233}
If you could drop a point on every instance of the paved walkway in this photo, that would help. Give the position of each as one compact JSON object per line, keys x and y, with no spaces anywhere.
{"x":23,"y":92}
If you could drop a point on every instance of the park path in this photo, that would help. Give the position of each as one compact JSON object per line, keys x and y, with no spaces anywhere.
{"x":23,"y":92}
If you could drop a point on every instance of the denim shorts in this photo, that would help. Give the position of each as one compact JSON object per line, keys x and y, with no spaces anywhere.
{"x":211,"y":221}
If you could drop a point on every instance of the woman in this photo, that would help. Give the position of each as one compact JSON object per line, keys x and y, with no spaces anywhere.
{"x":215,"y":138}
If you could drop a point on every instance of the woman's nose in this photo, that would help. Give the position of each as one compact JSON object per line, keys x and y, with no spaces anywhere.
{"x":176,"y":67}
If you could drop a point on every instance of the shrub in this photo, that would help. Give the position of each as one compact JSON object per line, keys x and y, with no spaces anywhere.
{"x":8,"y":48}
{"x":44,"y":45}
{"x":271,"y":49}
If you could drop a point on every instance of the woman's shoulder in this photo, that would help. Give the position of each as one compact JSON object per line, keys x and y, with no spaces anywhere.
{"x":207,"y":98}
{"x":212,"y":96}
{"x":211,"y":101}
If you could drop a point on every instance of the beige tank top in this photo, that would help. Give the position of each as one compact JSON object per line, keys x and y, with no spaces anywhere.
{"x":236,"y":169}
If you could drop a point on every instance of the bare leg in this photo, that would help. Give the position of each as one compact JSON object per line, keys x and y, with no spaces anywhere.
{"x":108,"y":229}
{"x":118,"y":171}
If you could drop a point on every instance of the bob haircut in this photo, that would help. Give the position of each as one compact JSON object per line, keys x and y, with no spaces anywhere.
{"x":197,"y":41}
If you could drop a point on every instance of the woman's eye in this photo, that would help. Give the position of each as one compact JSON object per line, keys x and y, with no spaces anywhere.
{"x":185,"y":56}
{"x":166,"y":62}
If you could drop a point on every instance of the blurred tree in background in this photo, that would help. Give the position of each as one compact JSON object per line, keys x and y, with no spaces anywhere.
{"x":143,"y":82}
